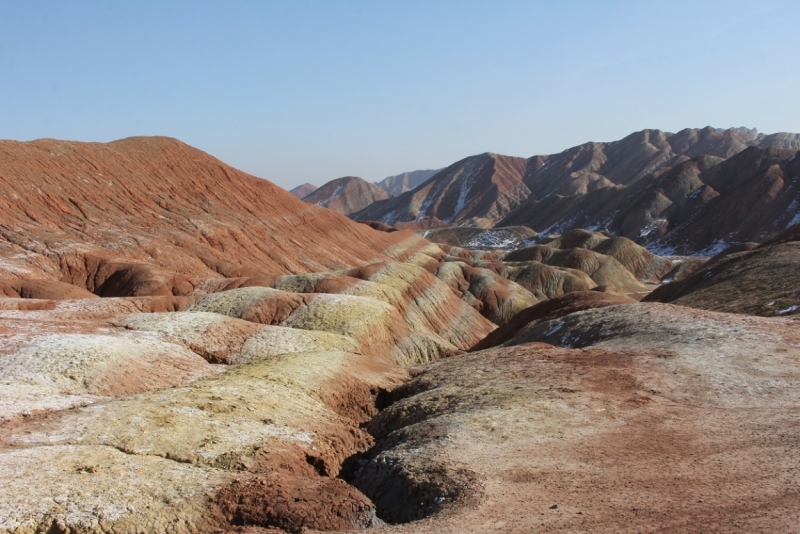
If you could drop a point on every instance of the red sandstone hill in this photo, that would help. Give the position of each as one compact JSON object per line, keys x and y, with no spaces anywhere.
{"x":302,"y":191}
{"x":81,"y":212}
{"x":346,"y":195}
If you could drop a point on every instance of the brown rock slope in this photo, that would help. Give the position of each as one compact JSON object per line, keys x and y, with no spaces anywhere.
{"x":547,"y":271}
{"x":43,"y":289}
{"x":302,"y":191}
{"x":637,"y":260}
{"x":162,"y":212}
{"x":346,"y":195}
{"x":548,"y":310}
{"x":670,"y":420}
{"x":761,"y":281}
{"x":603,"y":270}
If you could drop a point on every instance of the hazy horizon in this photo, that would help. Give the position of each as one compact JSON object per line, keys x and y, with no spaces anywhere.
{"x":312,"y":91}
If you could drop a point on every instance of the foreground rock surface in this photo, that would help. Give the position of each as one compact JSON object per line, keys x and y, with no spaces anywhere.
{"x":677,"y":421}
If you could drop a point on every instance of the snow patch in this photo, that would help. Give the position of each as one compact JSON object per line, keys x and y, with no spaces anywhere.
{"x":790,"y":309}
{"x":466,"y":175}
{"x":324,"y":203}
{"x":462,"y":199}
{"x":493,"y":239}
{"x":660,"y":249}
{"x":715,"y":248}
{"x":554,"y":329}
{"x":651,"y":227}
{"x":793,"y":208}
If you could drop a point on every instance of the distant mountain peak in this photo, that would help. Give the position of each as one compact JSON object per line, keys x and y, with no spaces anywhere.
{"x":346,"y":195}
{"x":596,"y":183}
{"x":302,"y":191}
{"x":400,"y":183}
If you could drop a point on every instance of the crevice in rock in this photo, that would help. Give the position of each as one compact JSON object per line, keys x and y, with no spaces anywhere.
{"x":403,"y":488}
{"x":318,"y":464}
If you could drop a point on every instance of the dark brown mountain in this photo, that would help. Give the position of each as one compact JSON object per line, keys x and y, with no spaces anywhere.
{"x":641,"y":187}
{"x":302,"y":191}
{"x":400,"y":183}
{"x":346,"y":195}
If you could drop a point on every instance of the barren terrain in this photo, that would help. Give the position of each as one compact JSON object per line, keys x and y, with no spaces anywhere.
{"x":186,"y":348}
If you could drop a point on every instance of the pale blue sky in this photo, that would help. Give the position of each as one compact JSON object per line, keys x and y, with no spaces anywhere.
{"x":297,"y":91}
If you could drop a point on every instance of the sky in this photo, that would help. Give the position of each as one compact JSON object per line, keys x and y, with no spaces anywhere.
{"x":308,"y":91}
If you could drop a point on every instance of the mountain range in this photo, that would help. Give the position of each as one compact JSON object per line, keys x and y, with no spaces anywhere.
{"x":687,"y":192}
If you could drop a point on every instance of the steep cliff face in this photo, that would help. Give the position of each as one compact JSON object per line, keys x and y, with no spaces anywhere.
{"x":699,"y":206}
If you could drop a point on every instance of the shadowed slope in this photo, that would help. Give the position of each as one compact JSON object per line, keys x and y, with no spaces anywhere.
{"x":485,"y":186}
{"x":685,"y":207}
{"x":759,"y":281}
{"x":627,"y":185}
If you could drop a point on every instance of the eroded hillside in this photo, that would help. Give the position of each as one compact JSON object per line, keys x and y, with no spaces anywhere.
{"x":186,"y":348}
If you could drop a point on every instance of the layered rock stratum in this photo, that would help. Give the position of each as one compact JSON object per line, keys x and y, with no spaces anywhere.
{"x":158,"y":210}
